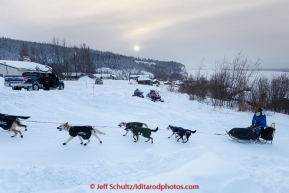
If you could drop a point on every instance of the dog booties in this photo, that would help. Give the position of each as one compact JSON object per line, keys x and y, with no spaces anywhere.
{"x":82,"y":131}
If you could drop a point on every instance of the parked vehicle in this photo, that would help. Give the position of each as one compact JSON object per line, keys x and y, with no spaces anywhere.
{"x":98,"y":81}
{"x":33,"y":81}
{"x":156,"y":82}
{"x":167,"y":83}
{"x":138,"y":93}
{"x":154,"y":96}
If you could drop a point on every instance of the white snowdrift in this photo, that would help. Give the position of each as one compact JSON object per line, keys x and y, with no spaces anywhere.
{"x":216,"y":163}
{"x":85,"y":79}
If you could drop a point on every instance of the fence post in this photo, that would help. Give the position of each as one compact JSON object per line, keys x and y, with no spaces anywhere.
{"x":93,"y":89}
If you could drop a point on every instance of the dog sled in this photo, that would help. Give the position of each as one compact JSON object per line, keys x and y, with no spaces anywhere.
{"x":245,"y":135}
{"x":154,"y":96}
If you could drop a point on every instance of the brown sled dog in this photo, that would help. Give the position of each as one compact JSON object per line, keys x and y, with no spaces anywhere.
{"x":10,"y":123}
{"x":83,"y":132}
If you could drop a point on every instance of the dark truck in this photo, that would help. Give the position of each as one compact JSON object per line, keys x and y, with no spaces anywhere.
{"x":32,"y":81}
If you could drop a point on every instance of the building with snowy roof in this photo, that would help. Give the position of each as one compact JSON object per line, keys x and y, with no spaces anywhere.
{"x":135,"y":77}
{"x":144,"y":80}
{"x":9,"y":67}
{"x":105,"y":76}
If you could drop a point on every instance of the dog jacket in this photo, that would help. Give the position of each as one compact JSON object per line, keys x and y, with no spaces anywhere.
{"x":6,"y":122}
{"x":174,"y":128}
{"x":184,"y":132}
{"x":13,"y":116}
{"x":141,"y":131}
{"x":82,"y":131}
{"x":134,"y":124}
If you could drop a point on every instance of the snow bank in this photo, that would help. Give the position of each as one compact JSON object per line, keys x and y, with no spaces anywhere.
{"x":210,"y":173}
{"x":86,"y":79}
{"x":1,"y":82}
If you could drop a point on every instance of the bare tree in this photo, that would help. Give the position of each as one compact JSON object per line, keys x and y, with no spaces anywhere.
{"x":196,"y":86}
{"x":23,"y":51}
{"x":279,"y":93}
{"x":230,"y":81}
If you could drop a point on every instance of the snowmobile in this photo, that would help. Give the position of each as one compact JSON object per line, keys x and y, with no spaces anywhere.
{"x":138,"y":93}
{"x":154,"y":95}
{"x":245,"y":135}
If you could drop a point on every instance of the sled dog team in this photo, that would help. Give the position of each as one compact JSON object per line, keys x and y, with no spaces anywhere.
{"x":259,"y":122}
{"x":9,"y":122}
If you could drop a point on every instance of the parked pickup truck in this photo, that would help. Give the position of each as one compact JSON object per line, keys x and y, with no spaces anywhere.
{"x":32,"y":81}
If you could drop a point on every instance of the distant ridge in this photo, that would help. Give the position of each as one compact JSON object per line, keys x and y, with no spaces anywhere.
{"x":66,"y":59}
{"x":275,"y":69}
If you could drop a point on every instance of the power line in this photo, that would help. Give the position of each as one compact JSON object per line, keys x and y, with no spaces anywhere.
{"x":26,"y":19}
{"x":20,"y":27}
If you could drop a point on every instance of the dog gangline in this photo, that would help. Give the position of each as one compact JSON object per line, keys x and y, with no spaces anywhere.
{"x":118,"y":127}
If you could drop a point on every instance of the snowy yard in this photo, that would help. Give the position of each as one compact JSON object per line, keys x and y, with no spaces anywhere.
{"x":216,"y":163}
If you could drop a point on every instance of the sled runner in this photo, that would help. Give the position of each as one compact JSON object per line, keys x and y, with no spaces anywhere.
{"x":244,"y":135}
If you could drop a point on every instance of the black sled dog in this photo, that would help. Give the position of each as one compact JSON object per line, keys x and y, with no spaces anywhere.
{"x":181,"y":132}
{"x":185,"y":132}
{"x":145,"y":132}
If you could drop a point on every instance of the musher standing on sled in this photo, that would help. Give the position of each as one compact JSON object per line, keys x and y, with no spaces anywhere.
{"x":258,"y":123}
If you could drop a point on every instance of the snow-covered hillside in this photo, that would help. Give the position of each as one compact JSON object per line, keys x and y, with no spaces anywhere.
{"x":145,"y":63}
{"x":216,"y":163}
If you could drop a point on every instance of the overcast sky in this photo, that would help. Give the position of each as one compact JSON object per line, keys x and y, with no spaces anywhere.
{"x":186,"y":31}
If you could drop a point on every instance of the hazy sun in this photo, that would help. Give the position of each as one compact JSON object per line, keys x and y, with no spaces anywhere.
{"x":136,"y":48}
